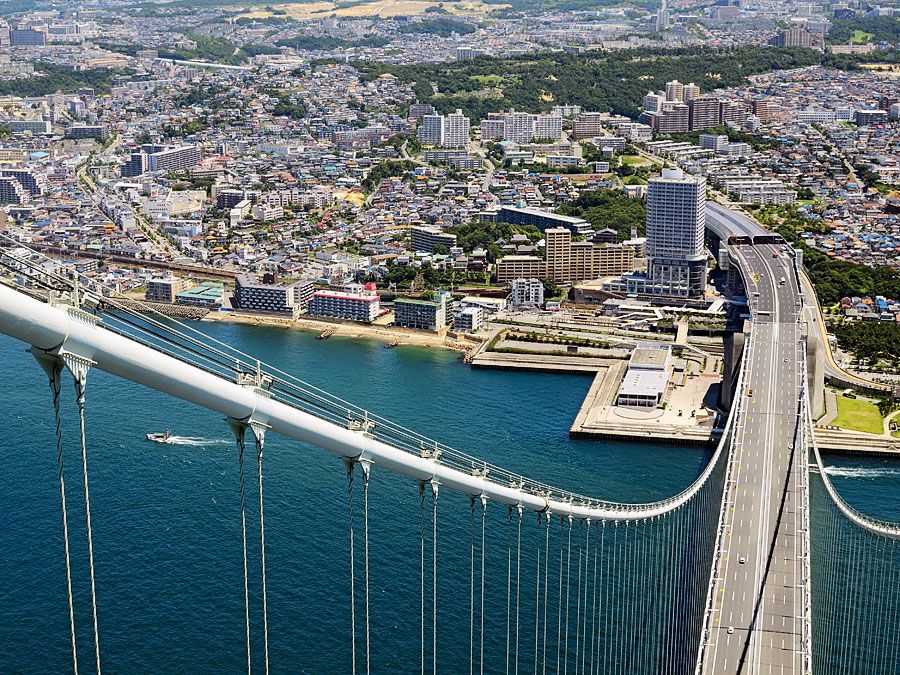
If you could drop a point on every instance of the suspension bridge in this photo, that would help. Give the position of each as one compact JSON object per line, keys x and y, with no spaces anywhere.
{"x":759,"y":566}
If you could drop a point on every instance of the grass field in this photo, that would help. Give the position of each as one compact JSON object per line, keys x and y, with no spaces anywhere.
{"x":858,"y":415}
{"x":488,"y":79}
{"x":861,"y":37}
{"x":635,"y":160}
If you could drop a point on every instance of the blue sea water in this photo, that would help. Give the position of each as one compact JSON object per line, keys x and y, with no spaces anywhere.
{"x":167,"y":528}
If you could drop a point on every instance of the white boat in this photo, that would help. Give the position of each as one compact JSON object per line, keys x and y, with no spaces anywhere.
{"x":160,"y":437}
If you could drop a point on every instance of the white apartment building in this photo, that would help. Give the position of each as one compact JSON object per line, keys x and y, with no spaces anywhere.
{"x":588,"y":125}
{"x":690,"y":91}
{"x":519,"y":127}
{"x":757,"y":190}
{"x":456,"y":130}
{"x":493,"y":129}
{"x":431,"y":129}
{"x":526,"y":293}
{"x":548,"y":127}
{"x":445,"y":131}
{"x":715,"y":142}
{"x":676,"y":222}
{"x":674,"y":91}
{"x":654,"y":102}
{"x":813,"y":116}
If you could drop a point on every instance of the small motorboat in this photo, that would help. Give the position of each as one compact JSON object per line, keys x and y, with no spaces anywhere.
{"x":160,"y":437}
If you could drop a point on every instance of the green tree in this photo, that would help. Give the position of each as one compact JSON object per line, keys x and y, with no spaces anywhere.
{"x":387,"y":169}
{"x":608,"y":208}
{"x":551,"y":289}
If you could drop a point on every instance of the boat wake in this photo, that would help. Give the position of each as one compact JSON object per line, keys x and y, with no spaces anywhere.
{"x":196,"y":441}
{"x":859,"y":472}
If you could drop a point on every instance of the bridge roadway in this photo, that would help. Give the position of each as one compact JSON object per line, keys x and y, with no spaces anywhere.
{"x":756,"y":621}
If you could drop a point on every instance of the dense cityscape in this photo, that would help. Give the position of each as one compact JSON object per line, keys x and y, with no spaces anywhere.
{"x":634,"y":191}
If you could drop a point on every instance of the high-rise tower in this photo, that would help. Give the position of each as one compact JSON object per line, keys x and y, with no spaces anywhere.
{"x":676,"y":222}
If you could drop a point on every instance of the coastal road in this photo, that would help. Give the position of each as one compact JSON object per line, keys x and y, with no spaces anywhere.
{"x":758,"y":592}
{"x":815,"y":317}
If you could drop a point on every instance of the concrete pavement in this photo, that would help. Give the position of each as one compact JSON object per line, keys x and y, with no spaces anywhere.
{"x":756,"y":625}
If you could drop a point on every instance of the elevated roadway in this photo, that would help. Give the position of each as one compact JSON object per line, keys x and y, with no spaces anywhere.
{"x":728,"y":224}
{"x":735,"y":228}
{"x":757,"y":606}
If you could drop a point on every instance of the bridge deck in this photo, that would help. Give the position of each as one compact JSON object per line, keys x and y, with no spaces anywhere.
{"x":758,"y":604}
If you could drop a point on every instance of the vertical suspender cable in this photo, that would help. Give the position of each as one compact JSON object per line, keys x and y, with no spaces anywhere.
{"x":889,"y":587}
{"x":546,"y":590}
{"x":587,"y":581}
{"x":434,"y":628}
{"x":612,"y":603}
{"x":422,"y":574}
{"x":671,"y":581}
{"x":894,"y":641}
{"x":481,"y":603}
{"x":241,"y":441}
{"x":568,"y":586}
{"x":262,"y":547}
{"x":584,"y":621}
{"x":351,"y":465}
{"x":559,"y":599}
{"x":578,"y":596}
{"x":54,"y":372}
{"x":471,"y":584}
{"x":605,"y":605}
{"x":508,"y":583}
{"x":642,"y":592}
{"x":79,"y":395}
{"x":518,"y":580}
{"x":537,"y":596}
{"x":658,"y":608}
{"x":849,"y":593}
{"x":622,"y":598}
{"x":594,"y":603}
{"x":365,"y":472}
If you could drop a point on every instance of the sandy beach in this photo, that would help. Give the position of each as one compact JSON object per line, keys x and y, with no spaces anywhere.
{"x":387,"y":334}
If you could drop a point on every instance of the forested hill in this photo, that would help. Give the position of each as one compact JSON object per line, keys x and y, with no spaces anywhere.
{"x":602,"y":81}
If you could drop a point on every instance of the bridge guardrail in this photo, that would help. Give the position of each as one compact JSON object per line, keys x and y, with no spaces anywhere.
{"x":727,"y":438}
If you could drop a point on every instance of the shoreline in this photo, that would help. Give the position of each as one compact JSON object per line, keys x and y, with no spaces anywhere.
{"x":386,"y":334}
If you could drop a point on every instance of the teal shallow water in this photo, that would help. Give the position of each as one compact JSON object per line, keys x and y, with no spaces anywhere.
{"x":167,"y":521}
